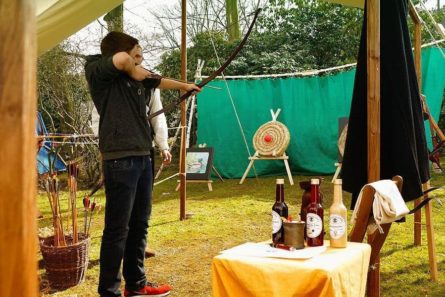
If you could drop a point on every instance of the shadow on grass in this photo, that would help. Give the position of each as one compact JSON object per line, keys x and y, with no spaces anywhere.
{"x":414,"y":278}
{"x":93,"y":263}
{"x":41,"y":264}
{"x":164,"y":223}
{"x":407,"y":270}
{"x":392,"y":251}
{"x":262,"y":189}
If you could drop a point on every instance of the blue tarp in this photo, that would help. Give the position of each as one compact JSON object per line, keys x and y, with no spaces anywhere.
{"x":46,"y":153}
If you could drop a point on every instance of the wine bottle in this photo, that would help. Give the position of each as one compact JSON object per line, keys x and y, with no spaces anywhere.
{"x":279,"y":212}
{"x":314,"y":217}
{"x":338,"y":218}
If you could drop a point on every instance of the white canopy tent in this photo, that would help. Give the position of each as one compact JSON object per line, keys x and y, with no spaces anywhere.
{"x":59,"y":19}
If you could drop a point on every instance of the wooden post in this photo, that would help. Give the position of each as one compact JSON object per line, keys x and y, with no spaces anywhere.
{"x":373,"y":108}
{"x":18,"y":260}
{"x":417,"y":42}
{"x":434,"y":129}
{"x":183,"y":150}
{"x":418,"y":64}
{"x":373,"y":105}
{"x":430,"y":237}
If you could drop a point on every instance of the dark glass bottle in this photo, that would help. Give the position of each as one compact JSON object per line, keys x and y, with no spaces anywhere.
{"x":279,"y":211}
{"x":314,"y":216}
{"x":306,"y":199}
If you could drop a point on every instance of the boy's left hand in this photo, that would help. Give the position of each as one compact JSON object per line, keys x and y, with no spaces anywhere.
{"x":166,"y":157}
{"x":193,"y":87}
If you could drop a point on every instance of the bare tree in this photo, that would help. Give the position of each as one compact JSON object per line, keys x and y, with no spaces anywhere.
{"x":233,"y":29}
{"x":65,"y":105}
{"x":202,"y":15}
{"x":115,"y":19}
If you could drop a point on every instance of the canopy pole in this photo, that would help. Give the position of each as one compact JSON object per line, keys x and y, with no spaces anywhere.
{"x":183,"y":151}
{"x":18,"y":56}
{"x":373,"y":119}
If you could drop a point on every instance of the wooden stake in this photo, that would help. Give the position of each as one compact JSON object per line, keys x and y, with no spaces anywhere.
{"x":182,"y":177}
{"x":18,"y":264}
{"x":73,"y":191}
{"x":431,"y":238}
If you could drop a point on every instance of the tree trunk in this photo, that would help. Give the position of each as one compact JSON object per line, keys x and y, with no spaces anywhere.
{"x":115,"y":19}
{"x":232,"y":19}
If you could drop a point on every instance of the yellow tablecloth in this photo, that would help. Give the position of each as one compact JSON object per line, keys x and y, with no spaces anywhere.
{"x":336,"y":272}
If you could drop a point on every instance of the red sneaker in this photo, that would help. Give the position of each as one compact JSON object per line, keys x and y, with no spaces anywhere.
{"x":150,"y":289}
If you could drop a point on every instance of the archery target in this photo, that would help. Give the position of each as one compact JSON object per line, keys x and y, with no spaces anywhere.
{"x":342,"y":140}
{"x":271,"y":139}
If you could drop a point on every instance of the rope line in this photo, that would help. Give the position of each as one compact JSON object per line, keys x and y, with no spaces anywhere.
{"x":234,"y":107}
{"x":315,"y":71}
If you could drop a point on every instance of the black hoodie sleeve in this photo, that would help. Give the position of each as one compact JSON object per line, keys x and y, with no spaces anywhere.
{"x":151,"y":83}
{"x":100,"y":72}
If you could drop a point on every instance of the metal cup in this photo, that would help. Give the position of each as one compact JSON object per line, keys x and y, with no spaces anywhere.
{"x":294,"y":234}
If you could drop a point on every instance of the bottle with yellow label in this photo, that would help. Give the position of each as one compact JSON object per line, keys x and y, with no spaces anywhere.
{"x":338,"y":226}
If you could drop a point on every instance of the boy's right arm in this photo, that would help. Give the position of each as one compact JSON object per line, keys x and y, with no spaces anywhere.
{"x":125,"y":63}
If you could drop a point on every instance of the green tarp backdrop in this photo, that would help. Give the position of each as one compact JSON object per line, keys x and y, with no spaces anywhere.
{"x":310,"y":108}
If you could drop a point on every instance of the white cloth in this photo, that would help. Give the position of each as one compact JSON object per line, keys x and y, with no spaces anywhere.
{"x":158,"y":123}
{"x":388,"y":205}
{"x":95,"y":118}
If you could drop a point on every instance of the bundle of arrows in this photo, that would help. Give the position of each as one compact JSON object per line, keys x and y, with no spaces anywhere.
{"x":89,"y":207}
{"x":51,"y":183}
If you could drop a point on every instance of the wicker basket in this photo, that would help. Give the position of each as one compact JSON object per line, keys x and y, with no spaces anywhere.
{"x":65,"y":266}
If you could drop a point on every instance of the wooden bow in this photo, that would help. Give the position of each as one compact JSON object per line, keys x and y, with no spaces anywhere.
{"x":177,"y":101}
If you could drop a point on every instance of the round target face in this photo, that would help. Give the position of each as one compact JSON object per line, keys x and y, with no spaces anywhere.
{"x":271,"y":139}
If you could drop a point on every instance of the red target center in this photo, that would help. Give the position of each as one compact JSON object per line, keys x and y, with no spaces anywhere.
{"x":268,"y":138}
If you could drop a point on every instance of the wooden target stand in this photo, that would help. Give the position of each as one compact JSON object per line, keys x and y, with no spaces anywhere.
{"x":272,"y":156}
{"x":200,"y":181}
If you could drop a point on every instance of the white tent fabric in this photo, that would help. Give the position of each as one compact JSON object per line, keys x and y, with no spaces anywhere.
{"x":59,"y":19}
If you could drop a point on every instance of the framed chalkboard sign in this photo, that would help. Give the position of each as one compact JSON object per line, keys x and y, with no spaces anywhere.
{"x":198,"y":163}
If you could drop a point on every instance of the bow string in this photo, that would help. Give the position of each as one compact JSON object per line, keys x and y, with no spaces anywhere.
{"x":208,"y":79}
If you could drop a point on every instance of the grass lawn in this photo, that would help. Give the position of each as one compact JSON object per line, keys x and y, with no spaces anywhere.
{"x":233,"y":214}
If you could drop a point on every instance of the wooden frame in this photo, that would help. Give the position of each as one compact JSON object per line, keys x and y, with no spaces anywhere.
{"x":376,"y":240}
{"x":373,"y":134}
{"x":433,"y":128}
{"x":199,"y":163}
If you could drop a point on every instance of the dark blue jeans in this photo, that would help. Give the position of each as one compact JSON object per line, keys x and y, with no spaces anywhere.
{"x":128,"y":186}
